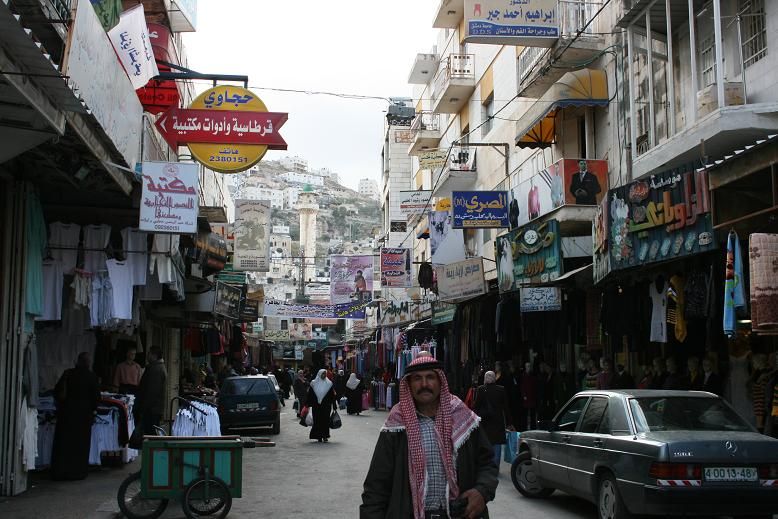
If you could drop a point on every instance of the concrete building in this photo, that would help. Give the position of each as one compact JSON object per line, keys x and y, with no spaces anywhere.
{"x":275,"y":196}
{"x":368,"y":188}
{"x":395,"y":176}
{"x":303,"y":178}
{"x":291,"y":194}
{"x":295,"y":163}
{"x":308,"y":208}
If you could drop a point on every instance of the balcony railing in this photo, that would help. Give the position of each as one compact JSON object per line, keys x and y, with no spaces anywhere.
{"x":425,"y":121}
{"x":528,"y":59}
{"x":575,"y":14}
{"x":453,"y":67}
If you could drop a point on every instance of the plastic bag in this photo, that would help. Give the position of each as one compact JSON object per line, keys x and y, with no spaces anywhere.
{"x":511,"y":449}
{"x":342,"y":403}
{"x":335,"y":421}
{"x":309,"y":417}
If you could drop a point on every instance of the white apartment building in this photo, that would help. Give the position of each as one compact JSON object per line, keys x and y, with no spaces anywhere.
{"x":295,"y":163}
{"x":291,"y":194}
{"x":275,"y":196}
{"x":303,"y":178}
{"x":395,"y":177}
{"x":368,"y":188}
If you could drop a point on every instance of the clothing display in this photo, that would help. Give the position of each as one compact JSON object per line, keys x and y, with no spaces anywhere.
{"x":51,"y":285}
{"x":120,"y":274}
{"x":35,"y":232}
{"x":164,"y":246}
{"x":763,"y":259}
{"x":96,"y":239}
{"x":152,"y":290}
{"x":135,"y":246}
{"x":63,"y":244}
{"x":658,"y":311}
{"x":736,"y":389}
{"x":196,"y":419}
{"x":101,"y":309}
{"x":734,"y":293}
{"x":82,"y":288}
{"x":29,"y":435}
{"x":677,"y":314}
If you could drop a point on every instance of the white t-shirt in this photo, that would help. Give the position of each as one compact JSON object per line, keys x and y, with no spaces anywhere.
{"x":95,"y":240}
{"x":658,"y":313}
{"x":134,"y":240}
{"x":65,"y":235}
{"x":165,"y":245}
{"x":121,"y":281}
{"x":52,"y":291}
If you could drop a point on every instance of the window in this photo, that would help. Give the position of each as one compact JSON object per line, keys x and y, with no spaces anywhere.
{"x":487,"y":112}
{"x":753,"y":30}
{"x":708,"y":60}
{"x":284,"y":325}
{"x":594,"y":413}
{"x":685,"y":414}
{"x":246,"y":386}
{"x":615,"y":420}
{"x":569,"y":417}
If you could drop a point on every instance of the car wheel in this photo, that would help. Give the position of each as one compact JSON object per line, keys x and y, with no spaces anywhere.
{"x":276,"y":426}
{"x":524,"y":473}
{"x":609,"y":502}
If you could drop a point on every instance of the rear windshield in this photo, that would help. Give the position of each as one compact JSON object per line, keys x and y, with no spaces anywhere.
{"x":685,"y":414}
{"x":246,"y":386}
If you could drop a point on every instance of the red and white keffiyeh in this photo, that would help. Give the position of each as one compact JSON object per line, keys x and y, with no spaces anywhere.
{"x":454,"y":422}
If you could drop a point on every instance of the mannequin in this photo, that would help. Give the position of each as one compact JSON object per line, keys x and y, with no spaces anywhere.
{"x":658,"y":293}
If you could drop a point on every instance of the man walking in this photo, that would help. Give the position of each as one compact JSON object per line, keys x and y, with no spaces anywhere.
{"x":150,"y":402}
{"x":491,"y":405}
{"x":413,"y":472}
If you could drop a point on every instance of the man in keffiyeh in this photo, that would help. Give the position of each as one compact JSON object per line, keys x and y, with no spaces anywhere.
{"x":432,"y":459}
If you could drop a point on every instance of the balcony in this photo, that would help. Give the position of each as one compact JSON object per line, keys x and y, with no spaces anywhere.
{"x":425,"y":129}
{"x":424,"y":67}
{"x":459,"y":174}
{"x":454,"y":83}
{"x":449,"y":14}
{"x":534,"y":70}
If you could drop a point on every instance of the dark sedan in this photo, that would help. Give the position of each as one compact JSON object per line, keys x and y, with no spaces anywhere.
{"x":247,"y":402}
{"x":651,"y":453}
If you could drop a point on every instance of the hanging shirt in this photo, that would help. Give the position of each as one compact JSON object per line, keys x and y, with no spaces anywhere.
{"x":135,"y":246}
{"x":121,"y":282}
{"x":658,"y":312}
{"x":63,"y":241}
{"x":734,"y":293}
{"x":96,"y":239}
{"x":36,"y":244}
{"x":52,"y":291}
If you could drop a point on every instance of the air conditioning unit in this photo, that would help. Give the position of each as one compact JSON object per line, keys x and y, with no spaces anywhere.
{"x":707,"y":98}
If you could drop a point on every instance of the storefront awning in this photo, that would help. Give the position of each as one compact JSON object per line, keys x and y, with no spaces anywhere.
{"x":586,"y":87}
{"x":567,"y":278}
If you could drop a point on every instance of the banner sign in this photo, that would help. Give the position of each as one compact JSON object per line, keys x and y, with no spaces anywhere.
{"x":350,"y":310}
{"x":532,"y":254}
{"x":396,"y":268}
{"x":664,"y":217}
{"x":541,"y":299}
{"x":433,"y":159}
{"x":462,"y":280}
{"x":351,"y":281}
{"x":461,"y":160}
{"x":252,"y":235}
{"x":300,"y":332}
{"x":249,"y":310}
{"x":413,"y":203}
{"x":170,"y":197}
{"x":480,"y":209}
{"x":227,"y":302}
{"x":277,"y":335}
{"x":566,"y":182}
{"x":528,"y":23}
{"x":398,"y":313}
{"x":130,"y":39}
{"x":442,"y":312}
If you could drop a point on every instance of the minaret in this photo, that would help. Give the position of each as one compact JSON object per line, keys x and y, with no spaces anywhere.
{"x":309,"y":208}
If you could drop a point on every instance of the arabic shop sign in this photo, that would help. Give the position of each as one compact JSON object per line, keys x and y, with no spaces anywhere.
{"x":432,"y":159}
{"x":530,"y":23}
{"x":480,"y":209}
{"x":541,"y":299}
{"x":531,"y":254}
{"x":227,"y":128}
{"x":664,"y":217}
{"x":170,"y":198}
{"x":350,"y":310}
{"x":461,"y":280}
{"x":442,"y":312}
{"x":395,"y":268}
{"x":413,"y":203}
{"x":227,"y":302}
{"x":277,"y":335}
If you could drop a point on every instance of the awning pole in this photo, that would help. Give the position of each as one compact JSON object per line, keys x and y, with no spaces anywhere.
{"x":670,"y":73}
{"x":633,"y":123}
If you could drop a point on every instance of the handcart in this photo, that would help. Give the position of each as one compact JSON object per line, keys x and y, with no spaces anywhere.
{"x":206,"y":473}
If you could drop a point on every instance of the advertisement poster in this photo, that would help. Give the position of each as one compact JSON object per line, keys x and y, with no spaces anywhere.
{"x":320,"y":313}
{"x":300,"y":332}
{"x":252,"y":235}
{"x":227,"y":302}
{"x":461,"y":160}
{"x":532,"y":254}
{"x":440,"y":226}
{"x":396,"y":268}
{"x":462,"y":280}
{"x":566,"y":182}
{"x":529,"y":23}
{"x":541,"y":299}
{"x":664,"y":217}
{"x":351,"y":280}
{"x":480,"y":209}
{"x":414,"y":203}
{"x":170,"y":197}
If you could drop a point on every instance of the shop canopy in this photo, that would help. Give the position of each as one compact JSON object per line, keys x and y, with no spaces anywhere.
{"x":585,"y":87}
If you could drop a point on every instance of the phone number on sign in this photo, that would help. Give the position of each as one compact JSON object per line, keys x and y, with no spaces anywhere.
{"x":160,"y":227}
{"x":216,"y":158}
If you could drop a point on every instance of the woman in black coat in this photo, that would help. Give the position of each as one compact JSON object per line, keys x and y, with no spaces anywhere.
{"x":354,"y":394}
{"x":321,"y":397}
{"x":491,"y":405}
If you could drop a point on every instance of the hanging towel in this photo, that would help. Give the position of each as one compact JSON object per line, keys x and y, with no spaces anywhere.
{"x":763,"y":254}
{"x":734,"y":294}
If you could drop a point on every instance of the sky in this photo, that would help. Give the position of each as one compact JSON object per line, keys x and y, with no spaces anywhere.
{"x":363,"y":47}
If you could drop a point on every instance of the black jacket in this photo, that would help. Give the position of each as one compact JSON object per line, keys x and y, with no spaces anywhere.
{"x":589,"y":184}
{"x":491,"y":404}
{"x":151,"y":392}
{"x":387,"y":488}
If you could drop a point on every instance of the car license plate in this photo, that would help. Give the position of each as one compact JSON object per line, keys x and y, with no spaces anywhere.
{"x":731,"y":474}
{"x":251,"y":405}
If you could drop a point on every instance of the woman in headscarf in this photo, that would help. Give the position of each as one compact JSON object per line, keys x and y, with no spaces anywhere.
{"x":354,"y":394}
{"x":321,"y":397}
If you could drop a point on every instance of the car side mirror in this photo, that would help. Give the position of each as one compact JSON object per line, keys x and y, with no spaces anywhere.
{"x":547,"y":425}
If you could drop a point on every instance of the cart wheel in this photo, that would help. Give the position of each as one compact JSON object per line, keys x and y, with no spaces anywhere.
{"x":203,"y":498}
{"x":132,"y":505}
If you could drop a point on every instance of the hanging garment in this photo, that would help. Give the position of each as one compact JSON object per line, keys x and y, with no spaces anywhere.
{"x":678,"y":318}
{"x":696,"y":292}
{"x":96,"y":239}
{"x":135,"y":245}
{"x":36,"y":245}
{"x":763,"y":258}
{"x":734,"y":294}
{"x":63,"y":243}
{"x":120,"y":274}
{"x":658,"y":312}
{"x":52,"y":291}
{"x":82,"y":287}
{"x":165,"y":245}
{"x":736,"y":390}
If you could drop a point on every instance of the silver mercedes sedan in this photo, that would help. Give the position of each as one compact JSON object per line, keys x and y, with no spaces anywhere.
{"x":643,"y":452}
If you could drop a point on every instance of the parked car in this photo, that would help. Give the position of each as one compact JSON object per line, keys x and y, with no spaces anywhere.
{"x":651,"y":453}
{"x":249,"y":401}
{"x":277,"y":387}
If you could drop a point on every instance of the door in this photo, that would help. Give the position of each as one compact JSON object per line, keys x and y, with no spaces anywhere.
{"x":586,"y":445}
{"x":553,"y":454}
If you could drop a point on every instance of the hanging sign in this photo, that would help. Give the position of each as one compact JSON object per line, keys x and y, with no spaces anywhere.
{"x":461,"y":280}
{"x":157,"y":96}
{"x":277,"y":335}
{"x":130,"y":39}
{"x":351,"y":280}
{"x":529,"y":23}
{"x":396,"y":268}
{"x":227,"y":302}
{"x":252,"y":235}
{"x":541,"y":299}
{"x":170,"y":197}
{"x":531,"y":254}
{"x":414,"y":202}
{"x":433,"y":159}
{"x":249,"y":310}
{"x":351,"y":310}
{"x":442,"y":312}
{"x":480,"y":209}
{"x":227,"y":128}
